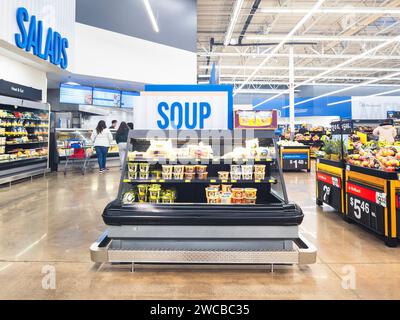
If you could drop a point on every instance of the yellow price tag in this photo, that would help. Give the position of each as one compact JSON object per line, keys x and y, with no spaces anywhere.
{"x":233,"y":181}
{"x":224,"y":181}
{"x":162,"y":180}
{"x":258,"y":159}
{"x":271,"y":181}
{"x":153,"y":180}
{"x":127,"y":180}
{"x":257,"y":181}
{"x":213,"y":180}
{"x":187,"y":181}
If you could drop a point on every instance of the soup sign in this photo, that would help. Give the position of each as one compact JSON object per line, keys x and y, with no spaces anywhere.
{"x":198,"y":107}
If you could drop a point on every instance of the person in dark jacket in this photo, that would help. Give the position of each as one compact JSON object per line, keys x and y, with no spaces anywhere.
{"x":122,"y":139}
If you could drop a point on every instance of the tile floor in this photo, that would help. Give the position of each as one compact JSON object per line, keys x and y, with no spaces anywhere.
{"x":51,"y":222}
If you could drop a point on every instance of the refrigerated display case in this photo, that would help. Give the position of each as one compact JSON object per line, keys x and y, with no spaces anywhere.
{"x":65,"y":137}
{"x":24,"y":139}
{"x":189,"y":198}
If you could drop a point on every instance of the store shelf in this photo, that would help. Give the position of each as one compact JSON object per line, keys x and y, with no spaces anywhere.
{"x":22,"y":159}
{"x":203,"y":181}
{"x":25,"y":143}
{"x":23,"y":119}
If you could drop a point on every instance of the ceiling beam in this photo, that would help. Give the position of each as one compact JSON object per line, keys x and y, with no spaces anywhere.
{"x":232,"y":23}
{"x":332,"y":10}
{"x":273,"y":37}
{"x":280,"y":45}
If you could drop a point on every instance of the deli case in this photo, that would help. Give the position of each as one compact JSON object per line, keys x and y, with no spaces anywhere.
{"x":67,"y":137}
{"x":195,"y":197}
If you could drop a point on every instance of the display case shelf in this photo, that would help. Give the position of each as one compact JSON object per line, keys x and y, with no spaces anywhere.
{"x":201,"y":181}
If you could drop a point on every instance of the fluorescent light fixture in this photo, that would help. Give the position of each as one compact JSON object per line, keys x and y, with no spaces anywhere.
{"x":335,"y":10}
{"x":317,"y":38}
{"x":284,"y":40}
{"x":232,"y":22}
{"x":363,"y":97}
{"x":71,"y":83}
{"x":151,"y":15}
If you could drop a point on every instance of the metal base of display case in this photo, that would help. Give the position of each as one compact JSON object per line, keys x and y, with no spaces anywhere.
{"x":204,"y":248}
{"x":9,"y":179}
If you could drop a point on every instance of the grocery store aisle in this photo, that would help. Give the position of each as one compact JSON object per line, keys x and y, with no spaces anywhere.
{"x":48,"y":225}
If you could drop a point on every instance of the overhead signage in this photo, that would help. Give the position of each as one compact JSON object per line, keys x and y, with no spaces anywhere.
{"x":47,"y":44}
{"x":184,"y":107}
{"x":15,"y":90}
{"x":256,"y":119}
{"x":106,"y":97}
{"x":75,"y":94}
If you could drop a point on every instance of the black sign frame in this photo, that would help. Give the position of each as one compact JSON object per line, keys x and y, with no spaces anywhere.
{"x":15,"y":90}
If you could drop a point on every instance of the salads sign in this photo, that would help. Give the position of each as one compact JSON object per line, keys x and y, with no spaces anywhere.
{"x":184,"y":107}
{"x":47,"y":44}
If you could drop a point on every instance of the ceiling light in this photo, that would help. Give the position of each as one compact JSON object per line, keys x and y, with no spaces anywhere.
{"x":232,"y":22}
{"x":151,"y":15}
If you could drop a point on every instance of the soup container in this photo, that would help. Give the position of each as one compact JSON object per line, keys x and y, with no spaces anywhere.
{"x":132,"y":167}
{"x":154,"y":192}
{"x":156,"y":186}
{"x":142,"y":188}
{"x":217,"y":186}
{"x":179,"y":169}
{"x":226,"y":188}
{"x":157,"y":174}
{"x":190,"y":169}
{"x":203,"y":176}
{"x":259,"y":168}
{"x":236,"y":175}
{"x":236,"y":169}
{"x":223,"y":175}
{"x":143,"y":175}
{"x":247,"y":176}
{"x":178,"y":175}
{"x":166,"y":168}
{"x":250,"y":200}
{"x":142,"y":198}
{"x":237,"y":200}
{"x":212,"y":192}
{"x":144,"y":167}
{"x":153,"y":200}
{"x":247,"y":169}
{"x":190,"y":175}
{"x":226,"y":197}
{"x":237,"y":192}
{"x":167,"y":175}
{"x":259,"y":176}
{"x":250,"y":192}
{"x":201,"y":168}
{"x":167,"y":199}
{"x":132,"y":175}
{"x":213,"y":200}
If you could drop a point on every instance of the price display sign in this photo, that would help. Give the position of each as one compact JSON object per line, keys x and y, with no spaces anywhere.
{"x":295,"y":161}
{"x":342,"y":127}
{"x":329,"y":190}
{"x":366,"y":206}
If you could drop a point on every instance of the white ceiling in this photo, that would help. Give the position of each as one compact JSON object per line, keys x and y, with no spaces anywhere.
{"x":333,"y":44}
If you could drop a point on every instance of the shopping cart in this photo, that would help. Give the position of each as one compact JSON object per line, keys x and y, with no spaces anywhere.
{"x":78,"y":156}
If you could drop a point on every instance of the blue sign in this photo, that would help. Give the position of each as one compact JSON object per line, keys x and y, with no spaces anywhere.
{"x":295,"y":156}
{"x":49,"y":46}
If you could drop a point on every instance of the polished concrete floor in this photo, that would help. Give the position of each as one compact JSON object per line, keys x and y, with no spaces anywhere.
{"x":47,"y":226}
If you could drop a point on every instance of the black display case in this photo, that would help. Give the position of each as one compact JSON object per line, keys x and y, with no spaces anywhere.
{"x":190,"y":219}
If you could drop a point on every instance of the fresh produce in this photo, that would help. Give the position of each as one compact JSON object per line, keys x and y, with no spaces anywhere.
{"x":386,"y":158}
{"x":288,"y":143}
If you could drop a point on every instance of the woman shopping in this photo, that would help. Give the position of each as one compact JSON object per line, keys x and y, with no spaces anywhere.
{"x":102,"y":139}
{"x":122,"y":138}
{"x":386,"y":131}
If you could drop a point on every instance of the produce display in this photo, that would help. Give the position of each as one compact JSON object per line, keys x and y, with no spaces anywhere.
{"x":386,"y":158}
{"x":23,"y":135}
{"x":288,"y":143}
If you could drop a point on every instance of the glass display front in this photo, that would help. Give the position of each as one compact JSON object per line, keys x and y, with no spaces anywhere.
{"x":218,"y":169}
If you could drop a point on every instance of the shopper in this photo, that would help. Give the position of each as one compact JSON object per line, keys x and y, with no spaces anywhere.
{"x":102,"y":139}
{"x":122,"y":138}
{"x":386,"y":131}
{"x":114,"y":124}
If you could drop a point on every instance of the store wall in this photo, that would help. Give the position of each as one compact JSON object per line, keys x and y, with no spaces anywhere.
{"x":57,"y":14}
{"x":18,"y":72}
{"x":106,"y":54}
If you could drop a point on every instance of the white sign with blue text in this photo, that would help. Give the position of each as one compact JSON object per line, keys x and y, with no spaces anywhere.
{"x":186,"y":110}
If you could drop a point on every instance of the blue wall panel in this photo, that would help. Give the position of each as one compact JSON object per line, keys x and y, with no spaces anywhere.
{"x":314,"y":108}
